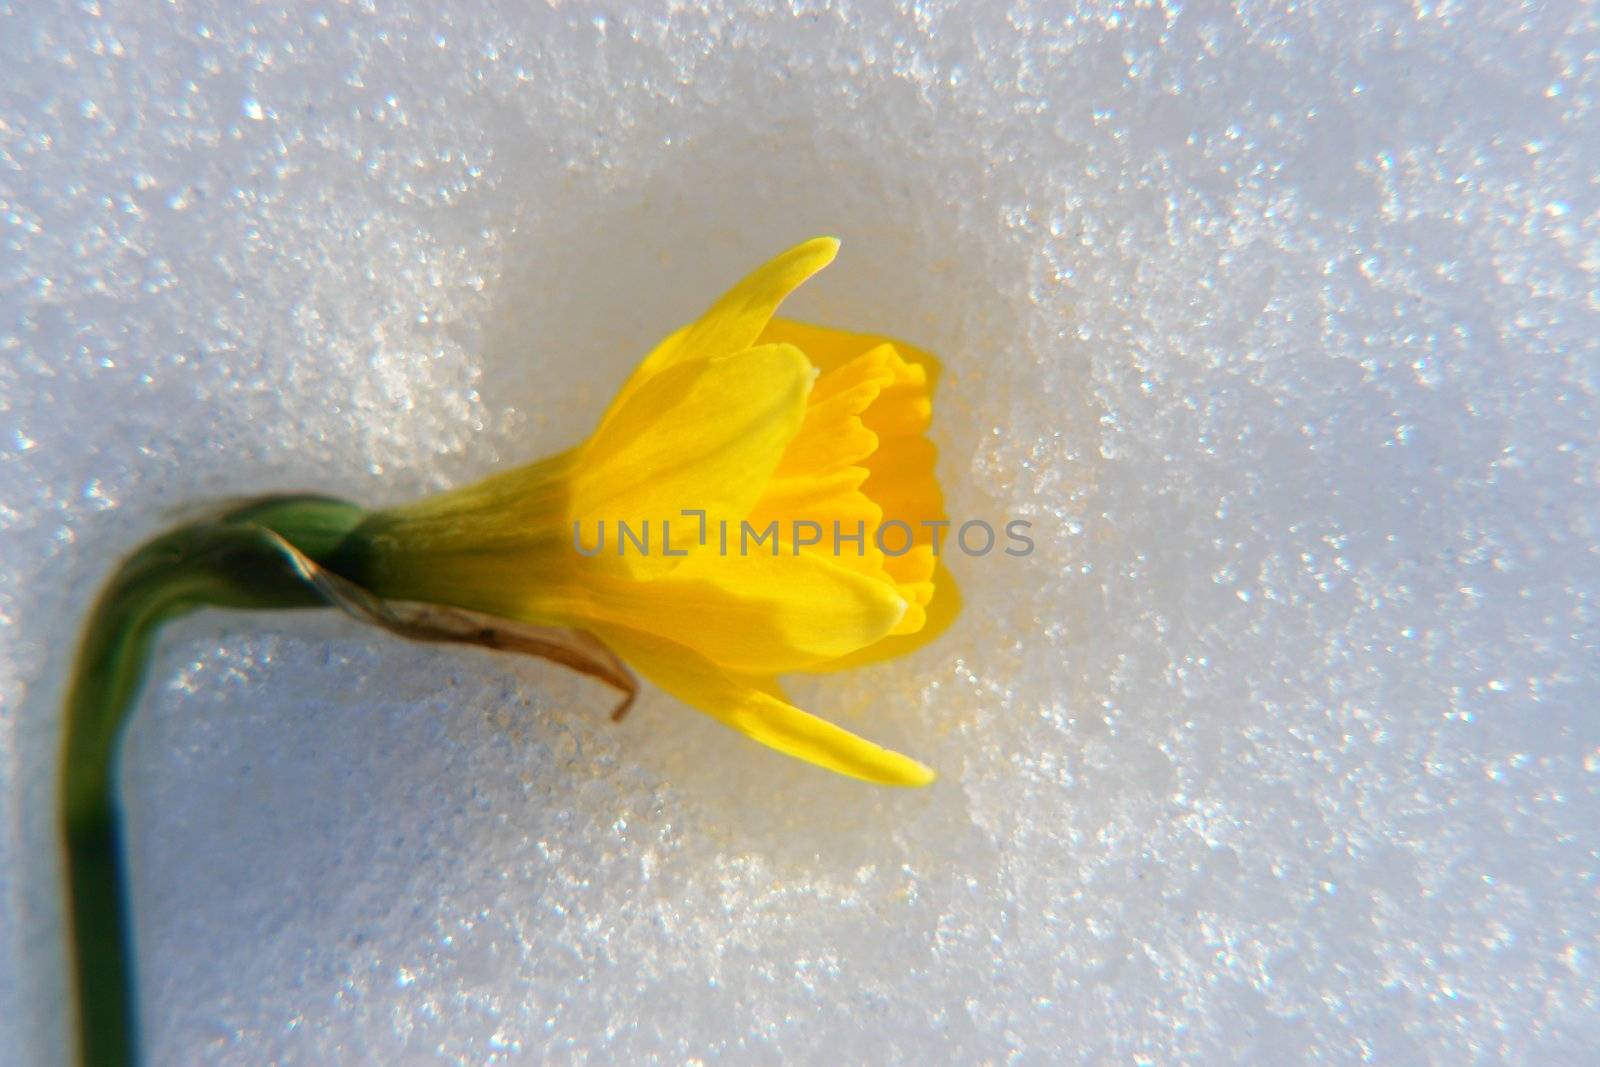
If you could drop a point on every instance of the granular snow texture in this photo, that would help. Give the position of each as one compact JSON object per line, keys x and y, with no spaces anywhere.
{"x":1279,"y":323}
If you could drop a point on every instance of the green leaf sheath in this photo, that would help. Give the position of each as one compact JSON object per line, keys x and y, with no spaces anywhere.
{"x":236,"y":559}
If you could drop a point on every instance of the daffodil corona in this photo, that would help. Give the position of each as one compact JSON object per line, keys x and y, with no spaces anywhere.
{"x":740,"y":420}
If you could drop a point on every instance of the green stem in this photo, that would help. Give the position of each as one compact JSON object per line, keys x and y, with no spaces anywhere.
{"x":238,"y":560}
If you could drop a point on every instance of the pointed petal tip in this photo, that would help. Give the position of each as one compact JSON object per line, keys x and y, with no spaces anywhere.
{"x":897,"y":769}
{"x":818,"y":251}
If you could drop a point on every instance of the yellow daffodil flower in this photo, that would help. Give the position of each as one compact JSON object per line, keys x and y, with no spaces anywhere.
{"x":738,"y":420}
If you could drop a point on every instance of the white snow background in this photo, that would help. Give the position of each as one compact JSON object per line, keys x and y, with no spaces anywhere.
{"x":1280,"y":322}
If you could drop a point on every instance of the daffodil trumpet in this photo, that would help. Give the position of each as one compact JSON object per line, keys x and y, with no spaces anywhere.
{"x":740,"y":418}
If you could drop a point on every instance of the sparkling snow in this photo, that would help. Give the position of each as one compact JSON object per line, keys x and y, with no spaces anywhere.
{"x":1280,"y":324}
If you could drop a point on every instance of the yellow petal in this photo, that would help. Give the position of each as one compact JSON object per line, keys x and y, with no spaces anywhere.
{"x":752,"y":708}
{"x":833,"y":434}
{"x":705,"y":434}
{"x":940,"y":611}
{"x":860,"y":456}
{"x":734,"y":322}
{"x":829,"y":348}
{"x":753,"y":614}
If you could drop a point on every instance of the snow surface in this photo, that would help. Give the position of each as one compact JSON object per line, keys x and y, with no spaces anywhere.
{"x":1281,"y":324}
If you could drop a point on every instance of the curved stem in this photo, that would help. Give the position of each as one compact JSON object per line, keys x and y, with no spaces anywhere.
{"x":237,"y":560}
{"x":270,"y":553}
